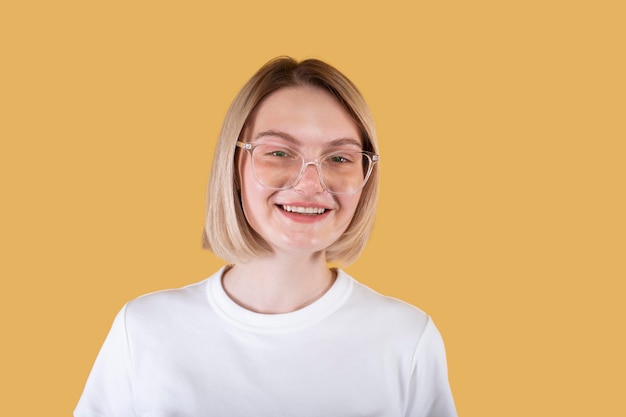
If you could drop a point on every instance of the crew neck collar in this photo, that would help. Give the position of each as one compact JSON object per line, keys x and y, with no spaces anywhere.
{"x":252,"y":321}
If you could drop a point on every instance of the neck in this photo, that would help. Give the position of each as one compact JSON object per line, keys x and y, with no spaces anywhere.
{"x":274,"y":286}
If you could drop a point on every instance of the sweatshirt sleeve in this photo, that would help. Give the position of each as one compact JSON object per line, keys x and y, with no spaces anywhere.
{"x":429,"y":391}
{"x":108,"y":390}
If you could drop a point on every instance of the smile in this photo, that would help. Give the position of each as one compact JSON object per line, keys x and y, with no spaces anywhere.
{"x":303,"y":210}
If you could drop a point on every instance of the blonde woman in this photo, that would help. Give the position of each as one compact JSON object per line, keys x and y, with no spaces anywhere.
{"x":276,"y":332}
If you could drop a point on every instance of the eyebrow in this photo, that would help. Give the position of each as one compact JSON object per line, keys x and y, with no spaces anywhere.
{"x":291,"y":139}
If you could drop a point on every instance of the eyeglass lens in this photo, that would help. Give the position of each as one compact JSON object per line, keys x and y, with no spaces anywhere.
{"x":342,"y":172}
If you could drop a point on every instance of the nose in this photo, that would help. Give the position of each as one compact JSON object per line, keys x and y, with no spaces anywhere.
{"x":309,"y":182}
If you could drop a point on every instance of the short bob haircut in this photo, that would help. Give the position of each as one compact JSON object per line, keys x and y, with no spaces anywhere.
{"x":227,"y":233}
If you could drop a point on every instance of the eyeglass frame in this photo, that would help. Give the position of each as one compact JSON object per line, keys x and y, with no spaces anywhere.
{"x":372,"y":156}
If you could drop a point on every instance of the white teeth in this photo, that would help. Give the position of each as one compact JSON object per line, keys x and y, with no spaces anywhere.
{"x":304,"y":210}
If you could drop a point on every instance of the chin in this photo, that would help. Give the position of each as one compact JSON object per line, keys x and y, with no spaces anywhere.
{"x":302,"y":246}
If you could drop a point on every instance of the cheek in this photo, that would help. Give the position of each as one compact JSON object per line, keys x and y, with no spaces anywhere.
{"x":245,"y":176}
{"x":349,"y":205}
{"x":254,"y":198}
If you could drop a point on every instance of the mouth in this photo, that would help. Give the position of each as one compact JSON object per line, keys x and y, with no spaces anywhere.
{"x":303,"y":210}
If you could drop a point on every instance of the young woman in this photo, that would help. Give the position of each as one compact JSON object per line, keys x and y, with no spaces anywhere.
{"x":277,"y":332}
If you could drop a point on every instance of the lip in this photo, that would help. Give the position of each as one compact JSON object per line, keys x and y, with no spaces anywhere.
{"x":304,"y":217}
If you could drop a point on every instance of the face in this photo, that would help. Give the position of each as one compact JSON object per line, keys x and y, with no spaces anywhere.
{"x":305,"y":218}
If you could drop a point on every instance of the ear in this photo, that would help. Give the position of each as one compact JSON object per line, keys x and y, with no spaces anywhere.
{"x":239,"y":161}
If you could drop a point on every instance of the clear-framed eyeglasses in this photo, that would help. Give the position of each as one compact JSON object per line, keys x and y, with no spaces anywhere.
{"x":278,"y":167}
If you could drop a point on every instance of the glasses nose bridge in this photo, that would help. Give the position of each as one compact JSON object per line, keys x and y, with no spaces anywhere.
{"x":316,"y":163}
{"x":305,"y":165}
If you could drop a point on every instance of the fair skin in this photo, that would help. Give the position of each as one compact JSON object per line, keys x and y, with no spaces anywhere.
{"x":312,"y":122}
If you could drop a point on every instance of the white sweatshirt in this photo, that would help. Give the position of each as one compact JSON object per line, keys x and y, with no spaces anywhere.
{"x":193,"y":352}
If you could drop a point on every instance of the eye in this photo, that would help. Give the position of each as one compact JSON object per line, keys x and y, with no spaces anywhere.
{"x":273,"y":151}
{"x":281,"y":154}
{"x":341,"y":158}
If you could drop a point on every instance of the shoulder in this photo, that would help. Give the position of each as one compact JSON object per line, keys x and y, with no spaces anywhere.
{"x":169,"y":304}
{"x":169,"y":298}
{"x":388,"y":313}
{"x":386,"y":305}
{"x":398,"y":328}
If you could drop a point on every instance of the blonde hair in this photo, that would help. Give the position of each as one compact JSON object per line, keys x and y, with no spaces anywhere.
{"x":227,"y":233}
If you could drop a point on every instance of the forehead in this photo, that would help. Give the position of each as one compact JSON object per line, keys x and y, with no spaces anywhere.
{"x":307,"y":114}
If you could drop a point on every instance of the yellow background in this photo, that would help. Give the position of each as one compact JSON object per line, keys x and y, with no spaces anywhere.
{"x":502,"y":129}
